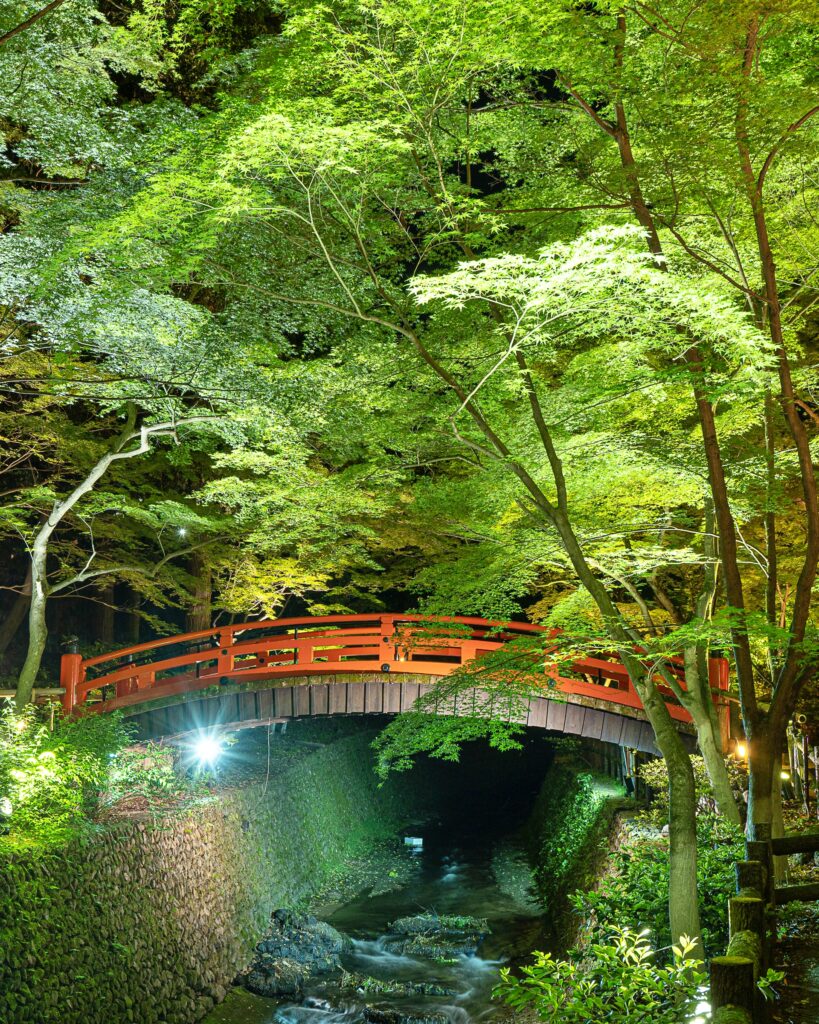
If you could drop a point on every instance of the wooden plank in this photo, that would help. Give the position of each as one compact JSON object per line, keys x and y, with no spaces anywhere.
{"x":409,"y":694}
{"x":247,"y":706}
{"x":612,"y":727}
{"x":630,"y":735}
{"x":355,"y":698}
{"x":178,"y":718}
{"x":392,"y":698}
{"x":301,"y":701}
{"x":145,"y":725}
{"x":373,"y":698}
{"x":575,"y":713}
{"x":556,"y":715}
{"x":338,"y":699}
{"x":592,"y":724}
{"x":228,"y":707}
{"x":789,"y":893}
{"x":538,"y":707}
{"x":319,"y":699}
{"x":796,"y":844}
{"x":283,"y":701}
{"x":265,"y":704}
{"x":209,"y":710}
{"x":646,"y":741}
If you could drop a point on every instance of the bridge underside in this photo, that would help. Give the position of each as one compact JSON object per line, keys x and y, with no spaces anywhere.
{"x":244,"y":707}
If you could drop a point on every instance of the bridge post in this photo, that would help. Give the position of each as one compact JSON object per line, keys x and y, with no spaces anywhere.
{"x":386,"y":642}
{"x":224,"y":659}
{"x":70,"y":677}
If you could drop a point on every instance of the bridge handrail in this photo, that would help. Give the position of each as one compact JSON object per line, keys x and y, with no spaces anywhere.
{"x":352,"y":643}
{"x":308,"y":621}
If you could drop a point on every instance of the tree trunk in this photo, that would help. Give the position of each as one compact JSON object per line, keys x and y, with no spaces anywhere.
{"x":780,"y":864}
{"x":697,"y":701}
{"x":198,"y":617}
{"x":717,"y":770}
{"x":761,"y":769}
{"x":16,"y":615}
{"x":683,"y":908}
{"x":37,"y":628}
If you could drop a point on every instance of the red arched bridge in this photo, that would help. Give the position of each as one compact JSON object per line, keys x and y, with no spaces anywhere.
{"x":258,"y":672}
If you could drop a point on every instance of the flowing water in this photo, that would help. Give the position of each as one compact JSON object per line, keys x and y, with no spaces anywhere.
{"x":471,"y":863}
{"x":457,"y":874}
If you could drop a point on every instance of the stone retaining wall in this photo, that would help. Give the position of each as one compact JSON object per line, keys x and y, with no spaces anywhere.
{"x":150,"y":924}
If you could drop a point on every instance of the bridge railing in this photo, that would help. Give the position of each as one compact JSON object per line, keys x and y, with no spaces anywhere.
{"x":308,"y":646}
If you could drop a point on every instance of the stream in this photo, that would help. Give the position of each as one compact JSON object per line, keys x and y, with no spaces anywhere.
{"x":460,"y":870}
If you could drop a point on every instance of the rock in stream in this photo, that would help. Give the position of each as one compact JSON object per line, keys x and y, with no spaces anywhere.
{"x":437,"y":936}
{"x":296,"y":947}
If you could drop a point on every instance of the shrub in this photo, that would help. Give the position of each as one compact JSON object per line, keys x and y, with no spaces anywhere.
{"x":636,"y":892}
{"x":618,"y":981}
{"x":50,"y":779}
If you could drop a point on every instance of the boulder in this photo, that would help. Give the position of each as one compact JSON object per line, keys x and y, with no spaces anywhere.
{"x":437,"y":936}
{"x":275,"y":978}
{"x":378,"y":986}
{"x":296,"y":947}
{"x":376,"y":1015}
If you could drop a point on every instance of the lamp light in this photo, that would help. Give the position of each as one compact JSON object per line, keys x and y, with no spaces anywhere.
{"x":207,"y":749}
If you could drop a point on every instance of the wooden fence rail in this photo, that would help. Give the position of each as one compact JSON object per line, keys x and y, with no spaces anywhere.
{"x":735,"y":995}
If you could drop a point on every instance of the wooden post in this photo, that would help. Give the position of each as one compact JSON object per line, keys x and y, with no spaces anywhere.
{"x":750,"y":876}
{"x":224,"y":659}
{"x":759,"y":848}
{"x":733,"y":982}
{"x":816,"y":776}
{"x":70,"y":678}
{"x":746,"y":914}
{"x":386,"y":643}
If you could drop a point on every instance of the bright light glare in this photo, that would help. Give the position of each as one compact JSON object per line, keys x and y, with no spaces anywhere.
{"x":784,"y":776}
{"x":207,"y":749}
{"x":742,"y":750}
{"x":181,"y":531}
{"x":5,"y":806}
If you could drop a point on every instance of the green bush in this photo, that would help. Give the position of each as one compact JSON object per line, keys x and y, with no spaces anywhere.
{"x":570,"y":809}
{"x":636,"y":892}
{"x":51,"y":778}
{"x":618,"y":981}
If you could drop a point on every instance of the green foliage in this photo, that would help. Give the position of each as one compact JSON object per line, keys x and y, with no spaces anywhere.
{"x":415,"y":732}
{"x":143,"y":770}
{"x":768,"y":982}
{"x":569,"y":815}
{"x":617,"y":980}
{"x":50,"y":780}
{"x":636,"y":890}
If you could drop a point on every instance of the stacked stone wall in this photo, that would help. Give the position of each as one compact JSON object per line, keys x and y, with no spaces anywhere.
{"x":148,"y":922}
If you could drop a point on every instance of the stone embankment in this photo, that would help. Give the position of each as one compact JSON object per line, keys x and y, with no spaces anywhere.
{"x":150,"y":921}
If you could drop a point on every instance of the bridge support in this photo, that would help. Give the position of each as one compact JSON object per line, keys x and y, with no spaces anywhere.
{"x":70,"y":676}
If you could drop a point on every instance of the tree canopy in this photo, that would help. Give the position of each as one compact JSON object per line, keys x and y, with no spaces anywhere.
{"x":503,"y":308}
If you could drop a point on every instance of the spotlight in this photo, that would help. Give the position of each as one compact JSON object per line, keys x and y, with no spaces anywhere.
{"x":182,"y":531}
{"x":742,"y":750}
{"x":785,"y":776}
{"x":207,"y":749}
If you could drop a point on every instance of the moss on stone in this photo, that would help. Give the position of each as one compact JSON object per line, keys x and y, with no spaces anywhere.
{"x":150,"y":923}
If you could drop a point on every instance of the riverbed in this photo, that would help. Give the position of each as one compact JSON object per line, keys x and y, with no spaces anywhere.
{"x":463,"y":866}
